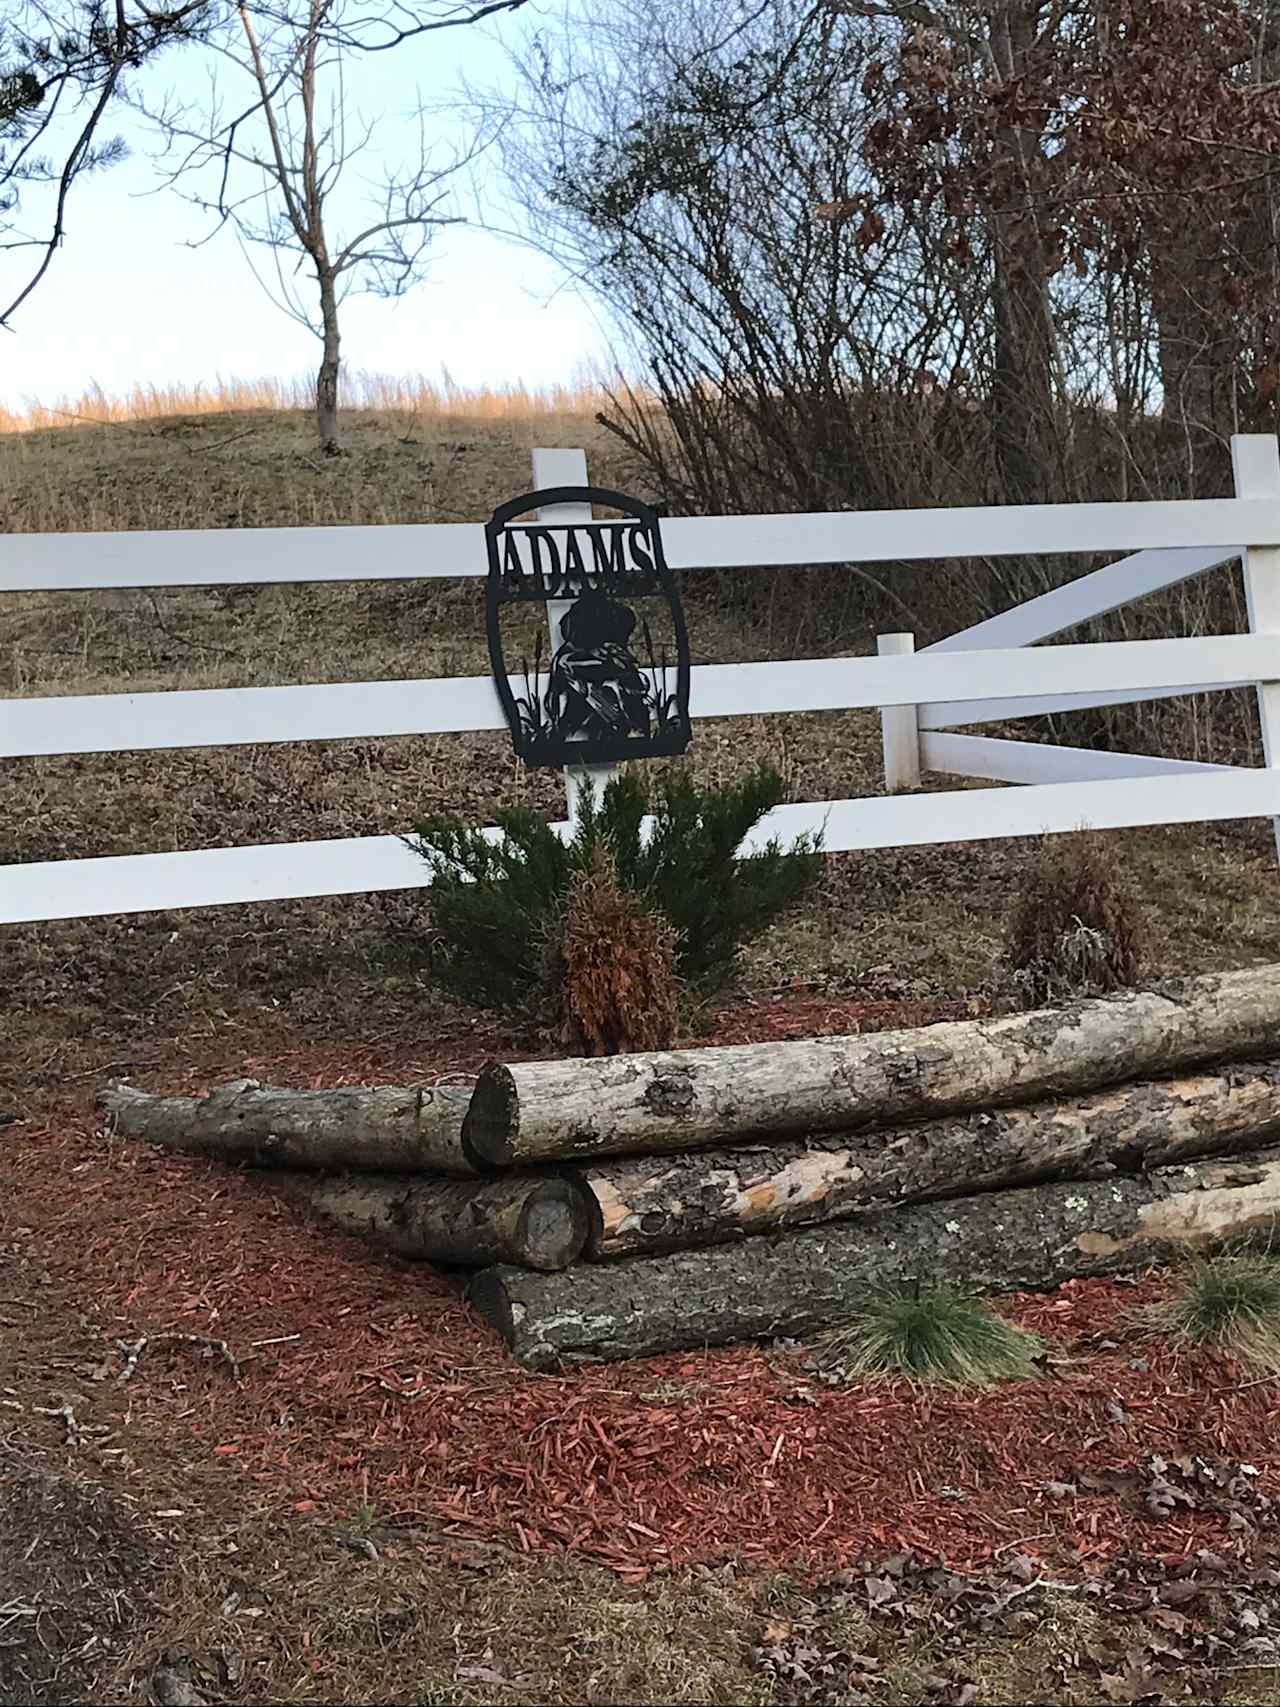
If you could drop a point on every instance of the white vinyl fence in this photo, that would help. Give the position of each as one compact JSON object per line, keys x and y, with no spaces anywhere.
{"x":991,"y":672}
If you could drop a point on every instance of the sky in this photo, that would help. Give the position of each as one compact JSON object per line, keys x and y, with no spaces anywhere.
{"x":129,"y":299}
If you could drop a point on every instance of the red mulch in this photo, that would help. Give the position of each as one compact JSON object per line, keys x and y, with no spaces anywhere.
{"x":394,"y":1395}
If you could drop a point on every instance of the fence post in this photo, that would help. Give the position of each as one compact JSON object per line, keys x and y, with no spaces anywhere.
{"x":1255,"y":463}
{"x":567,"y":468}
{"x":899,"y":726}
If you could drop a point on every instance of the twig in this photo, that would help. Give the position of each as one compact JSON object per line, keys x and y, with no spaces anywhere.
{"x":1022,"y":1541}
{"x":133,"y":1349}
{"x":1006,"y":1600}
{"x":112,"y":1067}
{"x":218,"y":444}
{"x":77,"y":1432}
{"x":409,"y":1395}
{"x":357,"y":1543}
{"x":280,"y":1339}
{"x":181,"y":640}
{"x":13,"y":1609}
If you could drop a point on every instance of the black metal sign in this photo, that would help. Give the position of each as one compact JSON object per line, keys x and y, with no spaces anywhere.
{"x":609,"y":690}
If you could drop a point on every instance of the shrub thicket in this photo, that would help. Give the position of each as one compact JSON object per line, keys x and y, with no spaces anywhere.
{"x":500,"y":905}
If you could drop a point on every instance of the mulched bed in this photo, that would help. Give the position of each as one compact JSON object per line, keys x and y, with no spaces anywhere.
{"x":381,"y":1389}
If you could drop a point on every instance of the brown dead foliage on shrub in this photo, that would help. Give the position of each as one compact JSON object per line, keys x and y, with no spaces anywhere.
{"x":1078,"y":928}
{"x":617,"y":968}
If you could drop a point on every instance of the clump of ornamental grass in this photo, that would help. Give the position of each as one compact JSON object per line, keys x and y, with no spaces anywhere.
{"x":1078,"y":928}
{"x":934,"y":1334}
{"x":1230,"y":1301}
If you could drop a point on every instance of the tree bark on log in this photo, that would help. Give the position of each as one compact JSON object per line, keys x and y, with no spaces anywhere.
{"x":674,"y":1202}
{"x":808,"y":1281}
{"x":639,"y":1104}
{"x":539,"y":1223}
{"x":391,"y":1127}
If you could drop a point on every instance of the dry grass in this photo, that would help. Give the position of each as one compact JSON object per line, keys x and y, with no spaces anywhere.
{"x":414,"y":395}
{"x":248,"y":1606}
{"x":298,"y":1610}
{"x":76,"y":1568}
{"x":258,"y":467}
{"x":1079,"y":928}
{"x":412,"y":1624}
{"x":618,"y":972}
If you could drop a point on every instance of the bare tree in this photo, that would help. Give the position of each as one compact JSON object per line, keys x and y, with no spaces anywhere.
{"x":64,"y":65}
{"x":268,"y":158}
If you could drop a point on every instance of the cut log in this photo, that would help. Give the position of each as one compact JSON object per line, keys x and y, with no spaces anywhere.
{"x":540,"y":1223}
{"x":639,"y":1104}
{"x":392,"y":1127}
{"x":764,"y":1289}
{"x":706,"y":1197}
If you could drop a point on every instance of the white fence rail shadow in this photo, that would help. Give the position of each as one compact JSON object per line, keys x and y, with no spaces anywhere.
{"x":991,"y":672}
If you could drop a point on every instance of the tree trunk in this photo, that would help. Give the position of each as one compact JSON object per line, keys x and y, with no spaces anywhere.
{"x":1022,"y":380}
{"x":647,"y":1205}
{"x":399,"y":1129}
{"x":327,"y":377}
{"x":539,"y":1223}
{"x":637,"y":1104}
{"x":766,"y":1289}
{"x":1022,"y":392}
{"x":1197,"y":352}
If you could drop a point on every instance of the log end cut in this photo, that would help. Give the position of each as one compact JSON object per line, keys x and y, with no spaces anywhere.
{"x":492,"y":1121}
{"x":554,"y":1225}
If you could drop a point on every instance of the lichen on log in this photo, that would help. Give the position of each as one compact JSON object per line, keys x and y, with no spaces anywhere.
{"x":539,"y":1223}
{"x":397,"y":1128}
{"x":543,"y":1111}
{"x":762,"y":1289}
{"x":649,"y":1204}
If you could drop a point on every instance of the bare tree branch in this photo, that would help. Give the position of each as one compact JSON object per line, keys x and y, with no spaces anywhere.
{"x":71,"y":55}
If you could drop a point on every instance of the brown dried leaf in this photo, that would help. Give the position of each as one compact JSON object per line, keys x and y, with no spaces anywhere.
{"x":880,"y":1591}
{"x":1180,"y":1594}
{"x":1022,"y":1568}
{"x":1168,"y":1620}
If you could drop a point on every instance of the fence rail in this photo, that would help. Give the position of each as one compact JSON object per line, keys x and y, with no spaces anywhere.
{"x":229,"y":717}
{"x":228,"y":557}
{"x":281,"y":871}
{"x":991,"y":671}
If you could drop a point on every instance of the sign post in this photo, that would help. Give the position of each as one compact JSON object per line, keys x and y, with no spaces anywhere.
{"x":568,"y":468}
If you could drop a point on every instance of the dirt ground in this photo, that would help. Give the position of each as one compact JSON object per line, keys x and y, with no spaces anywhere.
{"x":338,"y":1488}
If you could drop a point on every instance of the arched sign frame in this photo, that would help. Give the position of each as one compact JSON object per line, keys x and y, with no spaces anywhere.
{"x":593,"y":679}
